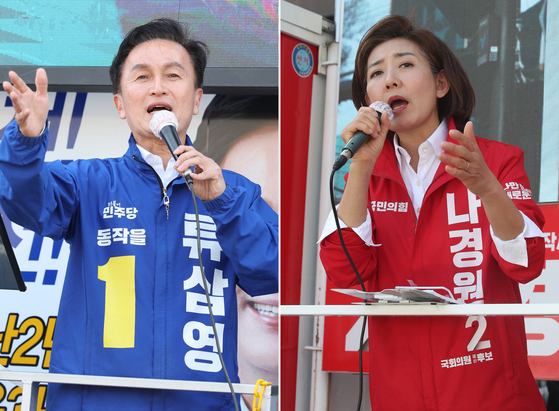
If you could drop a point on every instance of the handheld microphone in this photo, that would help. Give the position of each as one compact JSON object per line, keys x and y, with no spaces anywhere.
{"x":164,"y":125}
{"x":359,"y":138}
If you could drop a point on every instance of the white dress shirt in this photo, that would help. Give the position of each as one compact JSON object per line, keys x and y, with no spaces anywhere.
{"x":418,"y":183}
{"x":166,"y":175}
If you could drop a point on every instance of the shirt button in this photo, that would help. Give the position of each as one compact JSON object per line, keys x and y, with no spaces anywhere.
{"x":418,"y":208}
{"x":425,"y":149}
{"x":418,"y":183}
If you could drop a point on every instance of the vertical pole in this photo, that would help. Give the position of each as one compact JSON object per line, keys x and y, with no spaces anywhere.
{"x":504,"y":80}
{"x":29,"y":395}
{"x":320,"y":379}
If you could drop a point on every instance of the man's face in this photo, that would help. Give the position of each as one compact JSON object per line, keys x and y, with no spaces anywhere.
{"x":157,"y":75}
{"x":255,"y":156}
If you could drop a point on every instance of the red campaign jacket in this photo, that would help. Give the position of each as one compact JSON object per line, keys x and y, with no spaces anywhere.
{"x":440,"y":363}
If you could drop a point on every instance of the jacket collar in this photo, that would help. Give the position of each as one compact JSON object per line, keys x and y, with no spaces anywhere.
{"x":133,"y":147}
{"x":387,"y":163}
{"x":140,"y":165}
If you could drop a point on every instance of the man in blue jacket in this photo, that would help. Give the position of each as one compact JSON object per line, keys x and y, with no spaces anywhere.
{"x":133,"y":302}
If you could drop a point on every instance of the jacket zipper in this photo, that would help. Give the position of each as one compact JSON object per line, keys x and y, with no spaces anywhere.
{"x":166,"y":200}
{"x":164,"y":196}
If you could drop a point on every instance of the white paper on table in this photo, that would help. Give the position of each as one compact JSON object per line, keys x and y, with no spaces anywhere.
{"x":410,"y":295}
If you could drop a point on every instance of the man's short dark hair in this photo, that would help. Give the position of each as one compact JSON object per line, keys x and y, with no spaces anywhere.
{"x":160,"y":29}
{"x":228,"y":118}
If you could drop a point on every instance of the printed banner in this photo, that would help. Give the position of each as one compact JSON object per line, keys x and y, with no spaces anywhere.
{"x":86,"y":126}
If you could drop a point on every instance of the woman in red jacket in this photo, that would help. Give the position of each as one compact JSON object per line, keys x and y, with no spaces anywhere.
{"x":429,"y":204}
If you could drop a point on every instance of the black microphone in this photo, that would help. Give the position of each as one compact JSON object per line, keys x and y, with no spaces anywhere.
{"x":164,"y":125}
{"x":360,"y":138}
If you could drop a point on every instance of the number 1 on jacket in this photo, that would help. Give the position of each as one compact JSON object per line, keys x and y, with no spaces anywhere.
{"x":120,"y":301}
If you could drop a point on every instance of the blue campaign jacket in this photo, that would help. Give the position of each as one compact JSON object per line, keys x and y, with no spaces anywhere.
{"x":133,"y":304}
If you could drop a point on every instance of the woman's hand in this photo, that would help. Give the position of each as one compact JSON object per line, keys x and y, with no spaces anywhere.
{"x":353,"y":207}
{"x":367,"y":122}
{"x":465,"y":162}
{"x":468,"y":165}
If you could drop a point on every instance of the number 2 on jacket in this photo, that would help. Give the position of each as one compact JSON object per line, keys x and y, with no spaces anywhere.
{"x":120,"y":301}
{"x":475,"y":343}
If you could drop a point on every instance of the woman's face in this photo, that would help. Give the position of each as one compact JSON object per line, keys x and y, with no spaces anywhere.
{"x":399,"y":74}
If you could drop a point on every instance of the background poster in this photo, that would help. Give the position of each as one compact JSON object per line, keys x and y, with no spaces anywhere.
{"x":86,"y":125}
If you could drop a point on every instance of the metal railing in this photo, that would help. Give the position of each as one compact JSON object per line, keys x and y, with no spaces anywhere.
{"x":419,"y":309}
{"x":30,"y":384}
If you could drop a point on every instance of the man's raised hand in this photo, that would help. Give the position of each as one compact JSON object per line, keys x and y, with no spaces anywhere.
{"x":31,"y":108}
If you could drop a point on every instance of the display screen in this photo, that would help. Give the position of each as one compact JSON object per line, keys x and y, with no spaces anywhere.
{"x":87,"y":33}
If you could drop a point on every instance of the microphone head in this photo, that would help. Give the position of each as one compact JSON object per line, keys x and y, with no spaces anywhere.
{"x":161,"y":119}
{"x":382,"y":107}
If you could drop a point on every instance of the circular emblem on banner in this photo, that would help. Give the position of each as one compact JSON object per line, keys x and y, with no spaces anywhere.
{"x":302,"y":60}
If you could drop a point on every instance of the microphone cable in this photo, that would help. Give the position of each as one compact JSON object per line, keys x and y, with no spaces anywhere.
{"x":166,"y":120}
{"x":358,"y":139}
{"x":190,"y":184}
{"x":362,"y":337}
